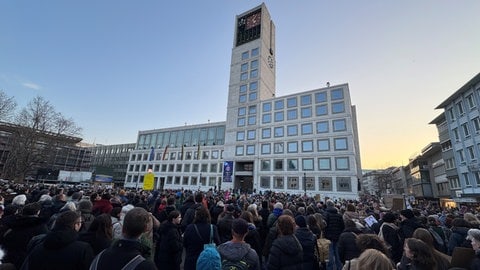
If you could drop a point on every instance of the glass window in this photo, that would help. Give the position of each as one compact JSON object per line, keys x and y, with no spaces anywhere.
{"x":239,"y":151}
{"x":339,"y":125}
{"x":242,"y":98}
{"x":341,"y":163}
{"x":291,"y":102}
{"x":279,"y":116}
{"x":337,"y":94}
{"x":292,"y":183}
{"x":461,"y":156}
{"x":307,"y":164}
{"x":242,"y":111}
{"x":251,"y":135}
{"x":455,"y":134}
{"x":254,"y":64}
{"x":343,"y":184}
{"x":245,"y":55}
{"x":471,"y":102}
{"x":466,"y":179}
{"x":278,"y":163}
{"x":451,"y":115}
{"x":279,"y":104}
{"x":265,"y":182}
{"x":278,"y":148}
{"x":266,"y":148}
{"x":321,"y":110}
{"x":254,"y":73}
{"x":266,"y":118}
{"x":240,"y":135}
{"x":306,"y":112}
{"x":340,"y":143}
{"x":215,"y":154}
{"x":307,"y":129}
{"x":323,"y":145}
{"x":252,"y":96}
{"x":265,"y":165}
{"x":307,"y":146}
{"x":325,"y":183}
{"x":471,"y":152}
{"x":460,"y":108}
{"x":292,"y":164}
{"x":250,"y":149}
{"x":278,"y":131}
{"x":255,"y":52}
{"x":338,"y":107}
{"x":476,"y":124}
{"x":243,"y":88}
{"x":292,"y":130}
{"x":305,"y":100}
{"x":267,"y":107}
{"x":324,"y":164}
{"x":292,"y":147}
{"x":241,"y":122}
{"x":466,"y":131}
{"x":244,"y":67}
{"x":278,"y":182}
{"x":322,"y":127}
{"x":252,"y":120}
{"x":186,"y":168}
{"x":266,"y":133}
{"x":292,"y":114}
{"x":254,"y":86}
{"x":320,"y":97}
{"x":243,"y":76}
{"x":252,"y":109}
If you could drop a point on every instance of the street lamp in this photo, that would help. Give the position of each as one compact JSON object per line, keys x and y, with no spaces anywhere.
{"x":305,"y":184}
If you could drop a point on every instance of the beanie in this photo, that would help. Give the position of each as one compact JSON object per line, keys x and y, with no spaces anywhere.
{"x":300,"y":221}
{"x":407,"y":213}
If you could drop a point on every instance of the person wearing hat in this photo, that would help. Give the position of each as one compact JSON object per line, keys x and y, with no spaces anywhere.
{"x":408,"y":224}
{"x":308,"y":240}
{"x":474,"y":236}
{"x":236,"y":251}
{"x":216,"y":210}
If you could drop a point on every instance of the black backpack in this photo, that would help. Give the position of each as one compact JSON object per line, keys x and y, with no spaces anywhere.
{"x":235,"y":265}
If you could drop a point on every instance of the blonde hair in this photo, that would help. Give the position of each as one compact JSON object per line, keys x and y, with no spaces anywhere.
{"x":374,"y":259}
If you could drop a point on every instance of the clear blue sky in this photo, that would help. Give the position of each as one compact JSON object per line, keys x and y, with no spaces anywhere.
{"x":117,"y":67}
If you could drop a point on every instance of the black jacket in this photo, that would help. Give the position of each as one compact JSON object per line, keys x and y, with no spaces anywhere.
{"x":347,"y":247}
{"x":193,"y":242}
{"x":121,"y":252}
{"x":97,"y":242}
{"x":286,"y":253}
{"x":168,"y":253}
{"x":308,"y":240}
{"x":335,"y":224}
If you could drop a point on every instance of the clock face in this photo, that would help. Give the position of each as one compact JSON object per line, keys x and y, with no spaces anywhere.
{"x":270,"y":61}
{"x":253,"y":20}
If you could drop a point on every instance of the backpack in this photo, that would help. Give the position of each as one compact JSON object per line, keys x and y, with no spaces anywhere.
{"x":131,"y":265}
{"x":440,"y":243}
{"x":209,"y":258}
{"x":235,"y":265}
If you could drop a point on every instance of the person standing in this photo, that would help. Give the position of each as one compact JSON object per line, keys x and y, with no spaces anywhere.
{"x":168,"y":253}
{"x":334,"y":228}
{"x":286,"y":251}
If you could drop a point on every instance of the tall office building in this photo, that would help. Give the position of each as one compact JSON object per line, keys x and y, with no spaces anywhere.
{"x":301,"y":143}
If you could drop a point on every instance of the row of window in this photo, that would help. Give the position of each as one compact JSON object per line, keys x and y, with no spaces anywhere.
{"x":179,"y":167}
{"x":187,"y":155}
{"x":307,"y":146}
{"x":248,"y":54}
{"x":465,"y":127}
{"x":307,"y":164}
{"x":458,"y":110}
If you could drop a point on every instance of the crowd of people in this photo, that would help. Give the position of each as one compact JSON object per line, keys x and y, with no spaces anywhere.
{"x":61,"y":227}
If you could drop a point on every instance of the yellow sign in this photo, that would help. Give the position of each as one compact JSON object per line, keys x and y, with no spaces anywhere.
{"x":148,"y":181}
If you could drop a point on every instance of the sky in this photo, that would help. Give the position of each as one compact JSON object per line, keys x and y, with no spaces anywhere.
{"x":118,"y":67}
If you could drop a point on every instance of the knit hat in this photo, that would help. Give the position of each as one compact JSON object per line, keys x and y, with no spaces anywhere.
{"x":85,"y":206}
{"x":19,"y":199}
{"x":230,"y":208}
{"x":278,"y":205}
{"x":220,"y":204}
{"x":473,"y":234}
{"x":407,"y":213}
{"x":300,"y":221}
{"x":45,"y":197}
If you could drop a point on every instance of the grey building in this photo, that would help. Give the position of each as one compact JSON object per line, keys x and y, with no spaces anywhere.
{"x":111,"y":161}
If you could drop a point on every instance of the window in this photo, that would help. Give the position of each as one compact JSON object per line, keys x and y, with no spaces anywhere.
{"x":340,"y":143}
{"x":252,"y":120}
{"x":254,"y":86}
{"x":215,"y":154}
{"x":461,"y":156}
{"x":267,"y":107}
{"x":292,"y":130}
{"x":254,"y":64}
{"x":278,"y":131}
{"x":278,"y":163}
{"x":343,"y":184}
{"x":451,"y":115}
{"x":265,"y":165}
{"x":292,"y":102}
{"x":476,"y":124}
{"x":292,"y":114}
{"x":471,"y":102}
{"x":265,"y":182}
{"x":324,"y":164}
{"x":266,"y":148}
{"x":325,"y":183}
{"x":307,"y":164}
{"x":278,"y":182}
{"x":305,"y":100}
{"x":307,"y":146}
{"x":266,"y":133}
{"x":321,"y":110}
{"x":339,"y":125}
{"x":466,"y":179}
{"x":322,"y":127}
{"x":292,"y":183}
{"x":254,"y":73}
{"x":455,"y":134}
{"x":466,"y":131}
{"x":245,"y":55}
{"x":449,"y":164}
{"x":252,"y":109}
{"x":292,"y":147}
{"x":243,"y":76}
{"x":292,"y":165}
{"x":338,"y":107}
{"x":471,"y":152}
{"x":241,"y":122}
{"x":454,"y":183}
{"x":278,"y":116}
{"x":242,"y":98}
{"x":278,"y":148}
{"x":244,"y":67}
{"x":323,"y":145}
{"x":306,"y":112}
{"x":307,"y":129}
{"x":337,"y":94}
{"x":320,"y":97}
{"x":341,"y":163}
{"x":242,"y":111}
{"x":460,"y":109}
{"x":250,"y":149}
{"x":252,"y":96}
{"x":309,"y":183}
{"x":266,"y":118}
{"x":251,"y":135}
{"x":243,"y":88}
{"x":279,"y":105}
{"x":255,"y":52}
{"x":186,"y":168}
{"x":239,"y":151}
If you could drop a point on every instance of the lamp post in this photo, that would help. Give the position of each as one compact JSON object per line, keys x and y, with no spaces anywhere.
{"x":305,"y":184}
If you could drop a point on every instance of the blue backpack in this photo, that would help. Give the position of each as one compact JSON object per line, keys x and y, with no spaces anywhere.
{"x":209,"y":258}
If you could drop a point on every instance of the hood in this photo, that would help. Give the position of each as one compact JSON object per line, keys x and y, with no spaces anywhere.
{"x":166,"y":226}
{"x":233,"y":251}
{"x":287,"y":244}
{"x":25,"y":222}
{"x":59,"y":239}
{"x":332,"y":210}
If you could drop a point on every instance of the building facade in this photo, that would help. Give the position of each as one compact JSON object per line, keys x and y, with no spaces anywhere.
{"x":301,"y":143}
{"x":111,"y":161}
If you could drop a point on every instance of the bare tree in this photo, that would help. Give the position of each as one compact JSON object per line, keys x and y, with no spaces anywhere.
{"x":7,"y":106}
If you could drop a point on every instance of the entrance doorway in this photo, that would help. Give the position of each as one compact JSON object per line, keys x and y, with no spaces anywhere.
{"x":244,"y":183}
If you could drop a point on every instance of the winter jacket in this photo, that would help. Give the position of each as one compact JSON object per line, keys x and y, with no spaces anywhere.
{"x":168,"y":253}
{"x":97,"y":242}
{"x":335,"y":224}
{"x":346,"y":246}
{"x":407,"y":227}
{"x":193,"y":242}
{"x":308,"y":241}
{"x":224,"y":225}
{"x":230,"y":251}
{"x":286,"y":253}
{"x":123,"y":251}
{"x":457,"y":239}
{"x":393,"y":240}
